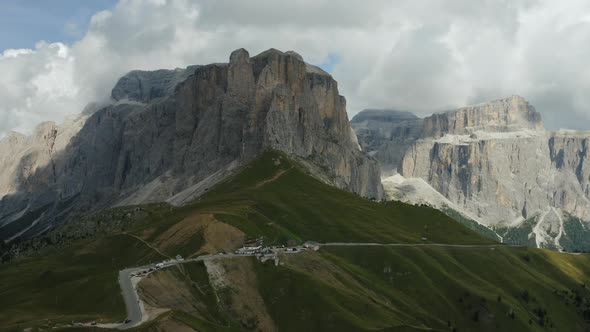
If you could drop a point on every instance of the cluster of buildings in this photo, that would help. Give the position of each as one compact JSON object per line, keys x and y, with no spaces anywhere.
{"x":253,"y":246}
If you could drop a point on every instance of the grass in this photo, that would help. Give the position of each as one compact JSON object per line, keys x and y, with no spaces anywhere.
{"x":159,"y":324}
{"x":575,"y":237}
{"x":431,"y":288}
{"x":519,"y":235}
{"x":79,"y":283}
{"x":471,"y":224}
{"x":297,"y":206}
{"x":209,"y":315}
{"x":301,"y":302}
{"x":352,"y":289}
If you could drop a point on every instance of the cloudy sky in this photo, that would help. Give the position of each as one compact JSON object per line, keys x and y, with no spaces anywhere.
{"x":422,"y":56}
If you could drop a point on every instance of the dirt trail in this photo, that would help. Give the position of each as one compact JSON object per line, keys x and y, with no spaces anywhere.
{"x":216,"y":236}
{"x":149,"y":245}
{"x":237,"y":278}
{"x":168,"y":289}
{"x":274,"y":178}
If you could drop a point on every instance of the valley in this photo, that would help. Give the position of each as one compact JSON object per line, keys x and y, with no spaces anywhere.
{"x":351,"y":283}
{"x":135,"y":215}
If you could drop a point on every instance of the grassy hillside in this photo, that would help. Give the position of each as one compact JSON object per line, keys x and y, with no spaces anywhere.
{"x":383,"y":289}
{"x":275,"y":197}
{"x":575,"y":237}
{"x":335,"y":289}
{"x":79,"y":283}
{"x":398,"y":289}
{"x":472,"y":224}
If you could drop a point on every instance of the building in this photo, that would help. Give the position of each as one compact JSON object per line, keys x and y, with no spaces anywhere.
{"x":311,"y":245}
{"x":249,"y":250}
{"x":251,"y":246}
{"x":254,"y":242}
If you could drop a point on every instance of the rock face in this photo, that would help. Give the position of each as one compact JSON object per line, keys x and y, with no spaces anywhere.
{"x":145,"y":86}
{"x":494,"y":161}
{"x":504,"y":115}
{"x":172,"y":134}
{"x":387,"y":134}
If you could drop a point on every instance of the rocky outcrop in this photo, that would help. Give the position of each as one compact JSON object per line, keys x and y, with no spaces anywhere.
{"x":387,"y":134}
{"x":145,"y":86}
{"x":504,"y":115}
{"x":172,"y":134}
{"x":504,"y":179}
{"x":495,"y":162}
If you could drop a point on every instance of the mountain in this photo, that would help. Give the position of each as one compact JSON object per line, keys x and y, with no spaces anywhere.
{"x":418,"y":192}
{"x":495,"y":162}
{"x":196,"y":161}
{"x":169,"y":135}
{"x":386,"y":133}
{"x":417,"y":285}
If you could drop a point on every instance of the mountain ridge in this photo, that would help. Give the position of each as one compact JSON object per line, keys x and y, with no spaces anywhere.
{"x":494,"y":161}
{"x":169,"y":131}
{"x":419,"y":285}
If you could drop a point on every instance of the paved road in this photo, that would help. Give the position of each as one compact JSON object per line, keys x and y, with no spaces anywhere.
{"x":131,"y":298}
{"x":134,"y":305}
{"x":371,"y":244}
{"x":132,"y":302}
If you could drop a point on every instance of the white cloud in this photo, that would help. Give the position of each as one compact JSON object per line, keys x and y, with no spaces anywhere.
{"x":36,"y":85}
{"x":417,"y":55}
{"x":13,"y":53}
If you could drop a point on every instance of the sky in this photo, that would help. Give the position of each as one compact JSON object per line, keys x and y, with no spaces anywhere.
{"x":25,"y":22}
{"x":422,"y":56}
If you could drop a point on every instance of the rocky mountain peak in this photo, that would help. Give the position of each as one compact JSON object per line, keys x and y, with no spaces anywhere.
{"x":13,"y":136}
{"x":145,"y":86}
{"x":383,"y":115}
{"x":44,"y":131}
{"x":239,"y":55}
{"x":495,"y":163}
{"x":503,"y":115}
{"x":172,"y":134}
{"x":385,"y":134}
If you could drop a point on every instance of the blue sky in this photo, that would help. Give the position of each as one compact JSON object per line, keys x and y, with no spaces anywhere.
{"x":25,"y":22}
{"x":421,"y":56}
{"x":330,"y":62}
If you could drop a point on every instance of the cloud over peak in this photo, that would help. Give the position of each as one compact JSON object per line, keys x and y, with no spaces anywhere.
{"x":420,"y":56}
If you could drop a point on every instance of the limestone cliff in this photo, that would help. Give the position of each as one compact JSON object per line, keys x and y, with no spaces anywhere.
{"x":387,"y":134}
{"x":170,"y":135}
{"x":503,"y":115}
{"x":494,"y":161}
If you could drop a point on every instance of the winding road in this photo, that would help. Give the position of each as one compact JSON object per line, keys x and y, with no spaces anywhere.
{"x":135,"y":307}
{"x":134,"y":312}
